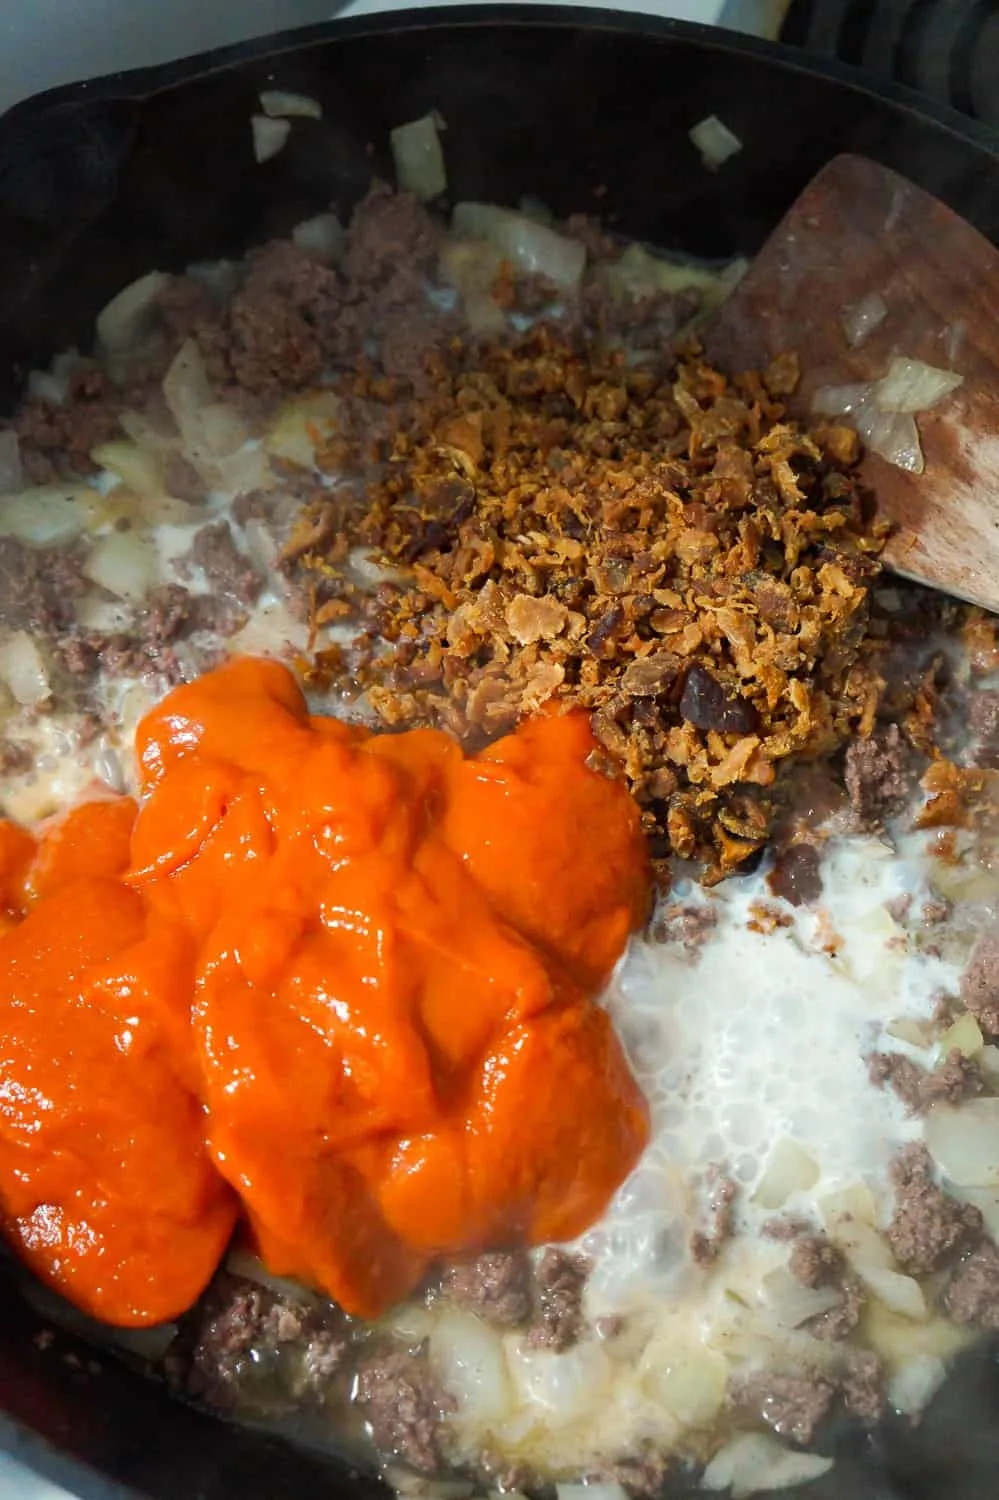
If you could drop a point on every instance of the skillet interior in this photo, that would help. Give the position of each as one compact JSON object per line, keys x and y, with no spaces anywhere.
{"x":101,"y":183}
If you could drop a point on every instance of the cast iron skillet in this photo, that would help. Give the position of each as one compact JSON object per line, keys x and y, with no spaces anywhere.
{"x":584,"y":110}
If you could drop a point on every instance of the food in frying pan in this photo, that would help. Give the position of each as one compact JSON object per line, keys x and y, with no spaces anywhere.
{"x":498,"y":947}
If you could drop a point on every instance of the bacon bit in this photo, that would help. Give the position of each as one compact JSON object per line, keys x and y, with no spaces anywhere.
{"x":558,"y":523}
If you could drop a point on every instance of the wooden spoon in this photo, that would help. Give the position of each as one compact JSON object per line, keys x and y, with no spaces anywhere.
{"x":859,"y":231}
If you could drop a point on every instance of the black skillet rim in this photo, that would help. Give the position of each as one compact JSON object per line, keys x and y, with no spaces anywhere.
{"x":264,"y":1455}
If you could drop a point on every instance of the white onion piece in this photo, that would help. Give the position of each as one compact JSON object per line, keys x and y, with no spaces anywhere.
{"x":840,"y":400}
{"x":529,"y":246}
{"x":280,"y":104}
{"x":123,"y":564}
{"x":52,"y":385}
{"x":148,"y":434}
{"x":186,"y":387}
{"x":565,"y":1386}
{"x":467,"y":1356}
{"x":900,"y":1293}
{"x":321,"y":238}
{"x":686,"y":1379}
{"x":11,"y":469}
{"x":911,"y":386}
{"x":753,"y":1462}
{"x":23,"y":670}
{"x":49,"y":515}
{"x":219,"y":276}
{"x":413,"y":1486}
{"x":137,"y":468}
{"x":419,"y":159}
{"x":714,"y":141}
{"x":122,"y":323}
{"x":789,"y":1170}
{"x":964,"y":1142}
{"x":107,"y":765}
{"x":913,"y":1386}
{"x":244,"y":1263}
{"x":791,"y":1304}
{"x":597,"y":1491}
{"x":892,"y":435}
{"x":269,"y":136}
{"x":861,"y":320}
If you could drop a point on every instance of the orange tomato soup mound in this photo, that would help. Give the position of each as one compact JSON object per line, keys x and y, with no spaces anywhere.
{"x":338,"y":983}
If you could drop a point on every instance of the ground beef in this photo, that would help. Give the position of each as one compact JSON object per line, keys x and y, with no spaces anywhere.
{"x":256,"y":1347}
{"x":39,"y":587}
{"x":403,"y":1404}
{"x":224,"y":566}
{"x":643,"y":1476}
{"x":793,"y":1406}
{"x":980,"y":983}
{"x":926,"y":1226}
{"x":57,"y":439}
{"x":956,"y":1078}
{"x":983,"y":721}
{"x":558,"y":1321}
{"x":972,"y":1293}
{"x":706,"y":1244}
{"x":688,"y":924}
{"x":182,"y":479}
{"x":391,"y":243}
{"x":818,"y":1263}
{"x":15,"y":758}
{"x":796,"y":875}
{"x":497,"y":1287}
{"x":277,"y":321}
{"x":879,"y":777}
{"x":862,"y":1386}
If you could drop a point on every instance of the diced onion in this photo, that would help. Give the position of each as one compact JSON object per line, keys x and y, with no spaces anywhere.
{"x":320,"y":238}
{"x":50,"y":515}
{"x":865,"y":1247}
{"x":964,"y":1141}
{"x":23,"y":670}
{"x":137,"y":468}
{"x":789,"y":1170}
{"x":753,"y":1462}
{"x":299,"y":424}
{"x":186,"y":387}
{"x":52,"y":386}
{"x":11,"y":469}
{"x":123,"y":564}
{"x":467,"y":1356}
{"x":916,"y":1383}
{"x":790,"y":1304}
{"x":244,"y":1263}
{"x":714,"y":141}
{"x":565,"y":1386}
{"x":108,"y":766}
{"x":529,"y":246}
{"x":840,"y":400}
{"x":965,"y":1036}
{"x":122,"y":323}
{"x":269,"y":136}
{"x":419,"y":159}
{"x":861,"y":320}
{"x":911,"y":386}
{"x":597,"y":1491}
{"x":687,"y":1380}
{"x":533,"y":208}
{"x":902,"y":1294}
{"x":892,"y":435}
{"x":280,"y":104}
